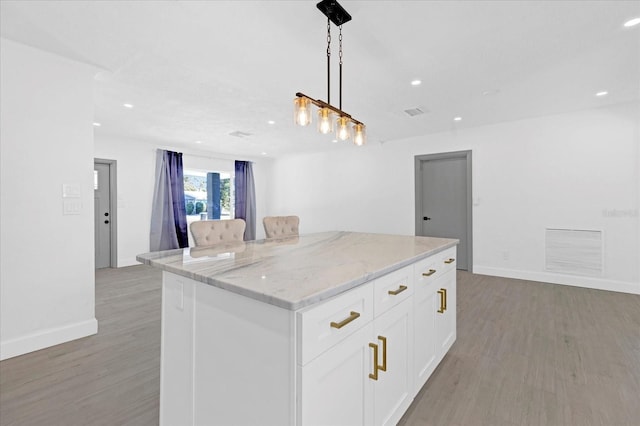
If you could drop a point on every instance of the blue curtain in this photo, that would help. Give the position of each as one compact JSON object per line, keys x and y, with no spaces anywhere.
{"x":168,"y":214}
{"x":245,"y":192}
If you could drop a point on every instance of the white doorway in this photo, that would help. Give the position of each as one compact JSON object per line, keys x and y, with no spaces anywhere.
{"x":104,"y":185}
{"x":443,"y":200}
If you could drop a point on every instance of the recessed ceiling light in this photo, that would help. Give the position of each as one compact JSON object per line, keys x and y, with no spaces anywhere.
{"x":127,"y":105}
{"x":335,"y":141}
{"x":97,"y":124}
{"x":603,"y":93}
{"x":632,"y":22}
{"x":457,"y":118}
{"x":271,"y":122}
{"x":198,"y":141}
{"x":263,"y":153}
{"x":416,"y":82}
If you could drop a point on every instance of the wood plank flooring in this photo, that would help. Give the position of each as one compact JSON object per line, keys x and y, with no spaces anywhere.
{"x":112,"y":378}
{"x":526,"y":354}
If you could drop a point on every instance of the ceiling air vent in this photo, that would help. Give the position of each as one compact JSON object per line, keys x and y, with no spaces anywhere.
{"x":239,"y":134}
{"x":412,"y":112}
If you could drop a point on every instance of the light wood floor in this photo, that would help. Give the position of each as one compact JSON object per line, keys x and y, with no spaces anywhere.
{"x":526,"y":354}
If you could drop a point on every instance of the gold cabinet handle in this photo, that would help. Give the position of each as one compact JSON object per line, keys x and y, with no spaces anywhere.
{"x":444,"y":290}
{"x":374,"y":375}
{"x":398,"y":291}
{"x":352,"y":316}
{"x":428,"y":274}
{"x":450,"y":260}
{"x":383,"y":367}
{"x":441,"y":292}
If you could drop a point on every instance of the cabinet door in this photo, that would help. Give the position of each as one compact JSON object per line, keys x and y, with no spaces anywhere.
{"x":445,"y":313}
{"x":426,"y":304}
{"x":335,"y":388}
{"x":393,"y":391}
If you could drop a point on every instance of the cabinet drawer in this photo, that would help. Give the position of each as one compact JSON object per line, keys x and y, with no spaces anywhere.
{"x":322,"y":326}
{"x":430,"y":269}
{"x":391,"y":289}
{"x":447,"y":259}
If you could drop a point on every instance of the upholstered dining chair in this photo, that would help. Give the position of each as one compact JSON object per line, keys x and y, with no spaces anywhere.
{"x":211,"y":232}
{"x":281,"y":226}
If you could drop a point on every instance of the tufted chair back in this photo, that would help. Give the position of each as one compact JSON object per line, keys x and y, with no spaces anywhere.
{"x":281,"y":226}
{"x":211,"y":232}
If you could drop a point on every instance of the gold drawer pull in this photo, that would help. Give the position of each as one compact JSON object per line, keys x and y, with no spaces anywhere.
{"x":374,"y":375}
{"x":450,"y":260}
{"x":383,"y":367}
{"x":398,"y":291}
{"x":445,"y":298}
{"x":443,"y":306}
{"x":345,"y":321}
{"x":428,"y":274}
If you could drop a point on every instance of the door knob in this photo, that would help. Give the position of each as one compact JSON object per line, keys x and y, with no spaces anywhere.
{"x":106,"y":221}
{"x":106,"y":214}
{"x":426,"y":218}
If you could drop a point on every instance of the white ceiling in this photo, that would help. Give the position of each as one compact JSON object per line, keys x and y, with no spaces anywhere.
{"x":200,"y":70}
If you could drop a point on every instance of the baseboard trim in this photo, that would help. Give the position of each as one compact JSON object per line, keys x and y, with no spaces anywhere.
{"x":46,"y":338}
{"x":127,"y":262}
{"x":552,"y":278}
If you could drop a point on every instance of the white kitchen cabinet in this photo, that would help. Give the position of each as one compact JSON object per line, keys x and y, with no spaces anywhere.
{"x":335,"y":388}
{"x":393,"y":391}
{"x":357,"y":358}
{"x":425,"y":306}
{"x":367,"y":378}
{"x":434,"y":313}
{"x":445,"y":320}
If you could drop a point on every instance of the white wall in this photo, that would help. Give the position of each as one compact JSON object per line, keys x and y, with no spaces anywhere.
{"x":47,"y":261}
{"x":561,"y":171}
{"x":136,"y":180}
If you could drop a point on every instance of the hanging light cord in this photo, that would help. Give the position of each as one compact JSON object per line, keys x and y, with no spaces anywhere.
{"x":328,"y":61}
{"x":340,"y":55}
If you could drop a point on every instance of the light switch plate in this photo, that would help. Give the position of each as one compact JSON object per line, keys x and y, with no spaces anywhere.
{"x":71,"y":206}
{"x":70,"y":190}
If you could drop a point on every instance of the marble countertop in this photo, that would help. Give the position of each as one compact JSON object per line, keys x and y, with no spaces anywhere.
{"x":296,"y":272}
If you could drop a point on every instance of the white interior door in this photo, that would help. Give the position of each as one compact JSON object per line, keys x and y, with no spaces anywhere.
{"x":102,"y":212}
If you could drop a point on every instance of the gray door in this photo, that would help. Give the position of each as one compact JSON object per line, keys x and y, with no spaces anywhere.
{"x":443,"y":200}
{"x":102,"y":212}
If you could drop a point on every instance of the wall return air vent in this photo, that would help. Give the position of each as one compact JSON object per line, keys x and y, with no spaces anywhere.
{"x":573,"y":251}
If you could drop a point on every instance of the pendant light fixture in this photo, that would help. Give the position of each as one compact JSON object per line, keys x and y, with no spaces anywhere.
{"x":346,"y":126}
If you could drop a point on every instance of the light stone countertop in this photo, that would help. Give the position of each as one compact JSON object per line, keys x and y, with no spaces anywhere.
{"x":296,"y":272}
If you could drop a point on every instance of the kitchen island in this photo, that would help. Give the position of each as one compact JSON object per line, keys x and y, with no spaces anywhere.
{"x":334,"y":328}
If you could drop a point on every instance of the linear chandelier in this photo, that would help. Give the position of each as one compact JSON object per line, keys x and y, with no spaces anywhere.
{"x":327,"y":113}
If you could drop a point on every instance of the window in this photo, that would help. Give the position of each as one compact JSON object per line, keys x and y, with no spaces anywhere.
{"x":207,"y":195}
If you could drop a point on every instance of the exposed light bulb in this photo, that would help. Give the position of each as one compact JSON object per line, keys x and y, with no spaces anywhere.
{"x":343,"y":132}
{"x":302,"y":111}
{"x":325,"y":120}
{"x":358,"y":134}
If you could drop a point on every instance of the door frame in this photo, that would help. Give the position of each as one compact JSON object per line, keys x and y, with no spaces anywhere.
{"x":113,"y":210}
{"x":418,"y":198}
